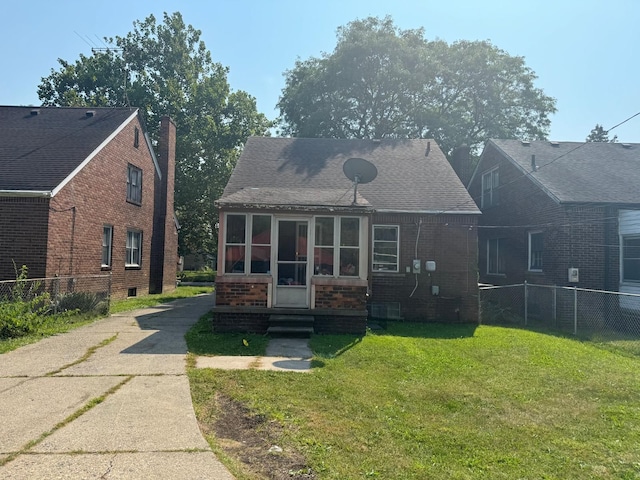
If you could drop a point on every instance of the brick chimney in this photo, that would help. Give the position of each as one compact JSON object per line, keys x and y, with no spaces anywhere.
{"x":164,"y":243}
{"x":461,"y":163}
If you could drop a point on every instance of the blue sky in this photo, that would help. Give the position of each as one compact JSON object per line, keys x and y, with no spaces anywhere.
{"x":582,"y":51}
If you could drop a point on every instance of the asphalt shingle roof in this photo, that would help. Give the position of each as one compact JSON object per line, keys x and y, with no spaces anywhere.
{"x":38,"y":151}
{"x":309,"y":171}
{"x":580,"y":172}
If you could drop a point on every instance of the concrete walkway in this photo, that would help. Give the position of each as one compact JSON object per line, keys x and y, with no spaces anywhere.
{"x":106,"y":401}
{"x":284,"y":354}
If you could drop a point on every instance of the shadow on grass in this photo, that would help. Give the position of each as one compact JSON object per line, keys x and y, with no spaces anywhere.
{"x":201,"y":340}
{"x":426,"y":330}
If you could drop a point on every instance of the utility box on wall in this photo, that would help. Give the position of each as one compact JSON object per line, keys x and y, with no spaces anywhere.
{"x":574,"y":275}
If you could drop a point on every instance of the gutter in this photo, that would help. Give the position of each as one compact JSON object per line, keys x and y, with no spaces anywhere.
{"x":26,"y":193}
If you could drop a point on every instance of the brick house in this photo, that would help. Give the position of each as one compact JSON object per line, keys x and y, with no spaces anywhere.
{"x":82,"y":192}
{"x":296,"y":236}
{"x":555,"y":213}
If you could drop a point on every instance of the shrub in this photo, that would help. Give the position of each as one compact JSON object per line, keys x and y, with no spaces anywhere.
{"x":81,"y":302}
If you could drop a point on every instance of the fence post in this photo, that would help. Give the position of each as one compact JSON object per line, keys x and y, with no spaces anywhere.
{"x":56,"y":293}
{"x":555,"y":306}
{"x":575,"y":310}
{"x":526,"y":304}
{"x":109,"y":294}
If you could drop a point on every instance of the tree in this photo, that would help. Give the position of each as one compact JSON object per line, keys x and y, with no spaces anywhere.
{"x":165,"y":69}
{"x":381,"y":81}
{"x":599,"y":134}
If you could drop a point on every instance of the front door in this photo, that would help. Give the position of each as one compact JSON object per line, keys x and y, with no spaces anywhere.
{"x":292,"y":273}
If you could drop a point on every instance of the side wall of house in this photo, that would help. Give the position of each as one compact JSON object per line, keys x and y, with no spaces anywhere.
{"x":573,"y":235}
{"x":23,"y":235}
{"x":451,"y":241}
{"x":95,"y":197}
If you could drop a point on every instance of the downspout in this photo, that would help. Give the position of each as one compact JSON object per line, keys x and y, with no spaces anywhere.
{"x":415,"y":255}
{"x":73,"y":236}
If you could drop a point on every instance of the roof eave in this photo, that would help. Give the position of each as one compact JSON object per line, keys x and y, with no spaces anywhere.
{"x":26,"y":193}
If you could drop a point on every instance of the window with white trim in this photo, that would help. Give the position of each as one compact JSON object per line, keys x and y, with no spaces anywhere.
{"x":490,"y":185}
{"x":386,"y":248}
{"x":349,"y":246}
{"x":260,"y":244}
{"x":107,"y":243}
{"x":631,"y":258}
{"x":495,"y":256}
{"x":235,"y":243}
{"x":133,"y":256}
{"x":134,"y":184}
{"x":323,"y":251}
{"x":536,"y":251}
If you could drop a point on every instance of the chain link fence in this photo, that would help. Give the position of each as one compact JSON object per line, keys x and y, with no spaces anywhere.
{"x":579,"y":311}
{"x":88,"y":293}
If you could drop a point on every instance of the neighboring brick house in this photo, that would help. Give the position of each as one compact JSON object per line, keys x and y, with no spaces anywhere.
{"x":556,"y":213}
{"x":292,"y":239}
{"x":82,"y":192}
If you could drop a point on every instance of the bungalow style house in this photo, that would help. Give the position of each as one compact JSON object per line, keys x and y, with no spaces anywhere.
{"x":82,"y":193}
{"x":555,"y":213}
{"x":301,"y":234}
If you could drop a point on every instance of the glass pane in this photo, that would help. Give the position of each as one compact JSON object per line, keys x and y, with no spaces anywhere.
{"x":292,"y":274}
{"x":349,"y":232}
{"x":631,"y":248}
{"x":235,"y":229}
{"x":385,"y":253}
{"x":349,"y":262}
{"x":261,"y":231}
{"x":631,"y":270}
{"x":260,"y":259}
{"x":389,"y":234}
{"x":323,"y":261}
{"x":234,"y":259}
{"x":324,"y":231}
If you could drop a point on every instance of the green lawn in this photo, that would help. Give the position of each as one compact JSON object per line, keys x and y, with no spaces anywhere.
{"x":451,"y":402}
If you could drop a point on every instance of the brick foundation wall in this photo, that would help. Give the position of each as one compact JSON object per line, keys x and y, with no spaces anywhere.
{"x":343,"y":297}
{"x":356,"y":325}
{"x":241,"y":294}
{"x":240,"y":322}
{"x":23,"y":236}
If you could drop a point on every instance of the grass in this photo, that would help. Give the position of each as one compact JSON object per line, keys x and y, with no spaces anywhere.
{"x":54,"y":325}
{"x":456,"y":402}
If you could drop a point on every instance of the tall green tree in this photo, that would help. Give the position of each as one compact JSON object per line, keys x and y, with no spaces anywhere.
{"x":599,"y":134}
{"x":165,"y":69}
{"x":382,"y":81}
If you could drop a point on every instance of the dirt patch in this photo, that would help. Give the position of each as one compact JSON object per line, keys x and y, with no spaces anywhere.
{"x":254,"y":441}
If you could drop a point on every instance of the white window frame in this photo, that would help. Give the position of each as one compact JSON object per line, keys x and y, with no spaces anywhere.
{"x":499,"y":255}
{"x":530,"y":256}
{"x":133,"y":256}
{"x":107,"y":245}
{"x":490,"y":184}
{"x":340,"y":248}
{"x":251,"y":244}
{"x":236,"y":244}
{"x":380,"y":242}
{"x":332,"y":246}
{"x":623,"y":279}
{"x":134,"y":184}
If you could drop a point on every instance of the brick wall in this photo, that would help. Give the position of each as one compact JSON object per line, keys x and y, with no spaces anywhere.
{"x":23,"y":235}
{"x":241,"y":294}
{"x":164,"y":247}
{"x":347,"y":297}
{"x":579,"y":236}
{"x":96,"y":196}
{"x":240,"y":321}
{"x":450,"y":241}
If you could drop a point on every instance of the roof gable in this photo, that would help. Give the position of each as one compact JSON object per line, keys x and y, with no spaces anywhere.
{"x":41,"y":148}
{"x":311,"y":169}
{"x":578,"y":172}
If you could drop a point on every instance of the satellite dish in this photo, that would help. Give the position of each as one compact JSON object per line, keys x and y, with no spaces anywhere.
{"x":359,"y":170}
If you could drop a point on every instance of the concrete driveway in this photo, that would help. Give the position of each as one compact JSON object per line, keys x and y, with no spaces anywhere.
{"x":107,"y":401}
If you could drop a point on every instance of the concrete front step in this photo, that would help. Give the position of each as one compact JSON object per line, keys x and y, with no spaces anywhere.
{"x":298,"y":325}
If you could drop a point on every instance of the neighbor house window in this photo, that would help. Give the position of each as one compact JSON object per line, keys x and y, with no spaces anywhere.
{"x":136,"y":137}
{"x":385,"y":248}
{"x":107,"y":242}
{"x":134,"y":184}
{"x":324,"y":246}
{"x":536,"y":249}
{"x":235,"y":243}
{"x":260,"y":244}
{"x":495,"y":256}
{"x":134,"y":248}
{"x":349,"y":246}
{"x":631,"y":259}
{"x":490,"y":185}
